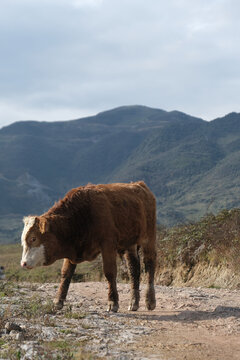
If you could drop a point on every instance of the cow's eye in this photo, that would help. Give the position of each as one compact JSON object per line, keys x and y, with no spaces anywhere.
{"x":33,"y":240}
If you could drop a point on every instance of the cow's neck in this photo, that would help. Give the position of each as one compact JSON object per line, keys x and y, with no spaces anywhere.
{"x":70,"y":243}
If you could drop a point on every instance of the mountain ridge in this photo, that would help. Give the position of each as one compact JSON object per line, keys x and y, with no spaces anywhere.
{"x":191,"y":165}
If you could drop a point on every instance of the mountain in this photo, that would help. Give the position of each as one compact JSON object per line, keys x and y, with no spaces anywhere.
{"x":190,"y":164}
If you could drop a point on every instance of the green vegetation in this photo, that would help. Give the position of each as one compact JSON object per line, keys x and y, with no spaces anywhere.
{"x":36,"y":308}
{"x":69,"y":314}
{"x":2,"y":342}
{"x":7,"y":288}
{"x":192,"y":166}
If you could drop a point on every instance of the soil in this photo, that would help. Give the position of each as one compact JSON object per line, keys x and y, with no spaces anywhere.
{"x":188,"y":323}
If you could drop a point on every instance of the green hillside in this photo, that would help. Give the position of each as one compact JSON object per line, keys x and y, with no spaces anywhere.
{"x":191,"y":165}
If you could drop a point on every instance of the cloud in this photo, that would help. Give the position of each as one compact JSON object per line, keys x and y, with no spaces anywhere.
{"x":95,"y":55}
{"x":88,"y":3}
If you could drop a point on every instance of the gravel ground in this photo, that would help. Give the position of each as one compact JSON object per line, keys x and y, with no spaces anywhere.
{"x":188,"y":323}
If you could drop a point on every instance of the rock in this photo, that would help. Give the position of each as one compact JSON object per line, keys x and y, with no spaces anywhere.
{"x":30,"y":350}
{"x":10,"y":326}
{"x":20,"y":336}
{"x":15,"y":335}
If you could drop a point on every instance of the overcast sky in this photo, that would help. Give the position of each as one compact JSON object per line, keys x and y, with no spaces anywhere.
{"x":65,"y":59}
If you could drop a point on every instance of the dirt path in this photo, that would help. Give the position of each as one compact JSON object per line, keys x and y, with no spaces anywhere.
{"x":188,"y":323}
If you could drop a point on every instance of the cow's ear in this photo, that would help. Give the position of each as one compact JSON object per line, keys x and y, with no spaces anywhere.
{"x":29,"y":220}
{"x":43,"y":225}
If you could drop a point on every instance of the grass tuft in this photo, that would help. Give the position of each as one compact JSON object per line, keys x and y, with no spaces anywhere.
{"x":69,"y":314}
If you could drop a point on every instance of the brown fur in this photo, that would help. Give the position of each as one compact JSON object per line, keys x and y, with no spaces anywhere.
{"x":106,"y":219}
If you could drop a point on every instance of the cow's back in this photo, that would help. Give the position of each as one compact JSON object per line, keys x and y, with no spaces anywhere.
{"x":125,"y":213}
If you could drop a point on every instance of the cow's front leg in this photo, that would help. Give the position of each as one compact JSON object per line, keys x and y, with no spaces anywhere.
{"x":66,"y":275}
{"x":110,"y":271}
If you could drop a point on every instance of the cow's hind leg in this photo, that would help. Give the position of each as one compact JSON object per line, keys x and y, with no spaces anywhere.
{"x":110,"y":271}
{"x":134,"y":273}
{"x":149,"y":258}
{"x":66,"y":275}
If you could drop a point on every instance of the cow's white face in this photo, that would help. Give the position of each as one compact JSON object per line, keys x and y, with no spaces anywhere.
{"x":33,"y":250}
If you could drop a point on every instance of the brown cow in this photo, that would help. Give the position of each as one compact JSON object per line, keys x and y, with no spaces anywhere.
{"x":94,"y":219}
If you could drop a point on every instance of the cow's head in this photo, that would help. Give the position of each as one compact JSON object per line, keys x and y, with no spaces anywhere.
{"x":36,"y":242}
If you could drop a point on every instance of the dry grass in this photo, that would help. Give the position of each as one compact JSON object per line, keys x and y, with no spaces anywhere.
{"x":214,"y":239}
{"x":10,"y":256}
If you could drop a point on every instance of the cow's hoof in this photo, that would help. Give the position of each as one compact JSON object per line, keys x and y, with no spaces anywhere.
{"x":151,"y":306}
{"x":133,"y":307}
{"x":150,"y":299}
{"x":58,"y":304}
{"x":112,"y":307}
